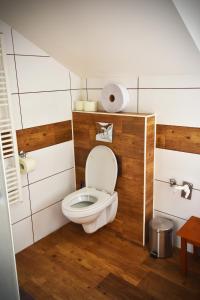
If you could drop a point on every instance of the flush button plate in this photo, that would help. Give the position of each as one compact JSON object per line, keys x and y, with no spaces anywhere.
{"x":104,"y":132}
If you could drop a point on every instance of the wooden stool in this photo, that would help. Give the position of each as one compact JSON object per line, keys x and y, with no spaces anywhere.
{"x":189,"y":233}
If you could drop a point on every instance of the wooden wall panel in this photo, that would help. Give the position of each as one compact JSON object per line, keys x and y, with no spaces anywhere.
{"x":128,"y":146}
{"x":178,"y":138}
{"x":35,"y":138}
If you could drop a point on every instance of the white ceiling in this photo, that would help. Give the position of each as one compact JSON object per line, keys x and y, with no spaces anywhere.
{"x":190,"y":14}
{"x":96,"y":38}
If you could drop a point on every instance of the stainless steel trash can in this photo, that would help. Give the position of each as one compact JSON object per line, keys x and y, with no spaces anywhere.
{"x":161,"y":237}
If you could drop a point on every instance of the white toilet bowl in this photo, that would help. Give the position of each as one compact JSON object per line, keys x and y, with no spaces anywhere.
{"x":96,"y":204}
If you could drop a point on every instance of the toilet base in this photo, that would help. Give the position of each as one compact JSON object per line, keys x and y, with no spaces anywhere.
{"x":105,"y":217}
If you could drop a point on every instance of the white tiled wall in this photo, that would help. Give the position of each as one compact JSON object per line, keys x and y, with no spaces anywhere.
{"x":48,"y":220}
{"x":52,"y":189}
{"x":42,"y":92}
{"x":176,"y":101}
{"x":47,"y":107}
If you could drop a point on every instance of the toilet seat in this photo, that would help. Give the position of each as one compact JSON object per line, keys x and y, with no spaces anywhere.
{"x":96,"y":204}
{"x":102,"y":200}
{"x":101,"y":169}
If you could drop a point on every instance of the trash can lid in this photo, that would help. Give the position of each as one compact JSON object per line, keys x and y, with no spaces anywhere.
{"x":161,"y":224}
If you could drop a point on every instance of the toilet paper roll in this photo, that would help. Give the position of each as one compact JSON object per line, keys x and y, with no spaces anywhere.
{"x":27,"y":165}
{"x":114,"y":97}
{"x":90,"y":106}
{"x":79,"y":105}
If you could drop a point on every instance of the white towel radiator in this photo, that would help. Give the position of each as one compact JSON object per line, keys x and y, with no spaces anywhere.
{"x":8,"y":145}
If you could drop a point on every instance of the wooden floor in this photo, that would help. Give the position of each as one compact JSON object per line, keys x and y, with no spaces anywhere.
{"x":70,"y":264}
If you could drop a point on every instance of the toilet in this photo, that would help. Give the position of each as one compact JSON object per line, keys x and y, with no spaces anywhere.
{"x":96,"y":204}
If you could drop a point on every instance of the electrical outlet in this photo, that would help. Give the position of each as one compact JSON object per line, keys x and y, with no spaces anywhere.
{"x":183,"y":192}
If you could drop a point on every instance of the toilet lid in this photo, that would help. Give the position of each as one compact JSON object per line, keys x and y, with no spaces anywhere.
{"x":101,"y":169}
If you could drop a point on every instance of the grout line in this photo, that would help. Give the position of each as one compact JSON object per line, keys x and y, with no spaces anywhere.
{"x":98,"y":88}
{"x":35,"y":92}
{"x":21,"y":220}
{"x":31,"y":209}
{"x":20,"y":108}
{"x":170,"y":214}
{"x":78,"y":89}
{"x":51,"y":176}
{"x":86,"y":90}
{"x":93,"y":89}
{"x":149,"y":88}
{"x":30,"y":216}
{"x":47,"y":206}
{"x":170,"y":88}
{"x":28,"y":55}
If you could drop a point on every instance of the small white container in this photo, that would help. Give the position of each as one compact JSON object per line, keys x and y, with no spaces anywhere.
{"x":79,"y":105}
{"x":90,"y":106}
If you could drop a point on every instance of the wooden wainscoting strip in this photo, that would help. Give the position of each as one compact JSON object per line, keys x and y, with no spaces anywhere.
{"x":35,"y":138}
{"x":178,"y":138}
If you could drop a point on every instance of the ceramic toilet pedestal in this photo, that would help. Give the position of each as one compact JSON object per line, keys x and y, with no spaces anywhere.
{"x":105,"y":217}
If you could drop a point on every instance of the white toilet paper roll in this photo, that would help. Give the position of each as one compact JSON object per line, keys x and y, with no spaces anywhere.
{"x":90,"y":106}
{"x":27,"y":165}
{"x":79,"y":105}
{"x":114,"y":97}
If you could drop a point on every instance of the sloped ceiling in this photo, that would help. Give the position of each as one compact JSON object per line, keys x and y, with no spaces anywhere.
{"x":96,"y":38}
{"x":190,"y":14}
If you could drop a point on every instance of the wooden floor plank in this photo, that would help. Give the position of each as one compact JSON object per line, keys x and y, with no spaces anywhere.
{"x":170,"y":268}
{"x":117,"y":288}
{"x":161,"y":288}
{"x":70,"y":264}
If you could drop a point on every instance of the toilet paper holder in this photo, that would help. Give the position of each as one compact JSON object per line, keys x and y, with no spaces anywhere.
{"x":22,"y":154}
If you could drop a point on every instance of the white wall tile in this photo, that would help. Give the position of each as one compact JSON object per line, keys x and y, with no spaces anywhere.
{"x":95,"y":95}
{"x":41,"y":74}
{"x":15,"y":110}
{"x":172,"y":107}
{"x":132,"y":104}
{"x":51,"y":160}
{"x":179,"y":165}
{"x":184,"y":81}
{"x":76,"y":81}
{"x":178,"y":223}
{"x":76,"y":96}
{"x":128,"y":82}
{"x":24,"y":46}
{"x":50,"y":190}
{"x":12,"y":80}
{"x":24,"y":180}
{"x":21,"y":210}
{"x":45,"y":108}
{"x":83,"y":94}
{"x":83,"y":83}
{"x":6,"y":30}
{"x":22,"y":234}
{"x":169,"y":201}
{"x":48,"y":220}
